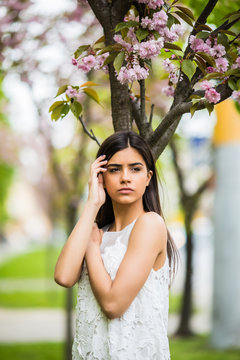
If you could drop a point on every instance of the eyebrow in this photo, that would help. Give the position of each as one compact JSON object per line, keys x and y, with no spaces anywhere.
{"x":119,"y":165}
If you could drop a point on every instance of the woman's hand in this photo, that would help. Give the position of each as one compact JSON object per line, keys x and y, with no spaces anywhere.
{"x":97,"y":194}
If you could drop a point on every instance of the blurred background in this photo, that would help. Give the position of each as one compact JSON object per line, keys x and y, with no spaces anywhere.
{"x":43,"y":176}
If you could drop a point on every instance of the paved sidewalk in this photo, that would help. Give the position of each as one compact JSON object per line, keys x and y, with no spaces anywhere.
{"x":39,"y":325}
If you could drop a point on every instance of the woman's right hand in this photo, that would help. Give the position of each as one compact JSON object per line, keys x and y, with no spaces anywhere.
{"x":96,"y":193}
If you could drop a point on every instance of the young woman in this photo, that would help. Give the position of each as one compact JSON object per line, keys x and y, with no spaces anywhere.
{"x":121,"y":253}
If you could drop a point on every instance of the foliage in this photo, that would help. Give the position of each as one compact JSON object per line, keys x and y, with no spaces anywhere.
{"x":190,"y":349}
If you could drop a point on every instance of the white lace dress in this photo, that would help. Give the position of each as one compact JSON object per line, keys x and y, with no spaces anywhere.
{"x":141,"y":332}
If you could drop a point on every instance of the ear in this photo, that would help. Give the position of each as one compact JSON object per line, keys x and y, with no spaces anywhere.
{"x":149,"y":176}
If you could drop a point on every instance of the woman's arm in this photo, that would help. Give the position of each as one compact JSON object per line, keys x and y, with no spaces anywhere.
{"x":69,"y":263}
{"x":148,"y":238}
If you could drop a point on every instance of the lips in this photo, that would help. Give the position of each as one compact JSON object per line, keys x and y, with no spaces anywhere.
{"x":125,"y":190}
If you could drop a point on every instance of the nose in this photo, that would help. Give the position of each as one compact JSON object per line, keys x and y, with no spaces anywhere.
{"x":125,"y":176}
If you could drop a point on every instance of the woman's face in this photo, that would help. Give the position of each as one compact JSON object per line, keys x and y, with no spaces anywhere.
{"x":127,"y":176}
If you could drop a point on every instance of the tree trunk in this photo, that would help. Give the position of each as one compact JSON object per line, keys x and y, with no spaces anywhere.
{"x":71,"y":217}
{"x":186,"y":308}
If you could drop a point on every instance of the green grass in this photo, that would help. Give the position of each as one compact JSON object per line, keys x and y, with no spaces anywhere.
{"x":195,"y":348}
{"x":49,"y":299}
{"x":35,"y":264}
{"x":40,"y":351}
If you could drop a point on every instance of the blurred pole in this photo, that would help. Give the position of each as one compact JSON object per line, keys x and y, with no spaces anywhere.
{"x":226,"y":289}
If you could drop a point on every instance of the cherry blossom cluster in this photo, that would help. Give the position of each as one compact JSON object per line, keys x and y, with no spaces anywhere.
{"x":137,"y":49}
{"x":211,"y":95}
{"x":72,"y":92}
{"x":90,"y":62}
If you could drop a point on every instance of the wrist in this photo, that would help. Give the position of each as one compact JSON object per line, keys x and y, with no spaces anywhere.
{"x":92,"y":206}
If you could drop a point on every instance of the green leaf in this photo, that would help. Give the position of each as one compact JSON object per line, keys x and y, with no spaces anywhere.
{"x":118,"y":61}
{"x":209,"y":59}
{"x":229,"y":32}
{"x":195,"y":96}
{"x":61,"y":90}
{"x":110,"y":58}
{"x":65,"y":110}
{"x":127,"y":24}
{"x":168,"y":45}
{"x":141,"y":34}
{"x":92,"y":94}
{"x":193,"y":108}
{"x":55,"y":104}
{"x":156,"y":35}
{"x":214,"y":75}
{"x":170,"y":21}
{"x":232,"y":84}
{"x":100,"y":40}
{"x":203,"y":27}
{"x":89,"y":83}
{"x":209,"y":107}
{"x":235,"y":72}
{"x":188,"y":67}
{"x":202,"y":35}
{"x":186,"y":11}
{"x":234,"y":17}
{"x":230,"y":14}
{"x":185,"y":17}
{"x":201,"y":67}
{"x":57,"y":111}
{"x":99,"y":46}
{"x":223,"y":39}
{"x":106,"y":49}
{"x":76,"y":108}
{"x":80,"y":50}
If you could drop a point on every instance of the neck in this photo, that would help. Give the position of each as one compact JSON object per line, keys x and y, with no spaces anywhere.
{"x":124,"y":214}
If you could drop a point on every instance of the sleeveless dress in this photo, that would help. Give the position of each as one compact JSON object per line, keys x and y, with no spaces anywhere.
{"x":141,"y":332}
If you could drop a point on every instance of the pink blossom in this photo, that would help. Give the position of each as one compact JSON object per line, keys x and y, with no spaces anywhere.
{"x":238,"y":61}
{"x":221,"y":65}
{"x":89,"y":61}
{"x":131,"y":35}
{"x":210,"y":69}
{"x":135,"y":73}
{"x":206,"y":85}
{"x":74,"y":62}
{"x":173,"y":76}
{"x":151,"y":48}
{"x":218,"y":51}
{"x":71,"y":92}
{"x":212,"y":96}
{"x":236,"y":96}
{"x":126,"y":45}
{"x":168,"y":66}
{"x":159,"y":20}
{"x":147,"y":23}
{"x":80,"y":97}
{"x":153,"y":4}
{"x":168,"y":90}
{"x":199,"y":45}
{"x":100,"y":60}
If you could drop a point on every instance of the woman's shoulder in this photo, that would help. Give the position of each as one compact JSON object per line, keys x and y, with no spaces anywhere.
{"x":151,"y":218}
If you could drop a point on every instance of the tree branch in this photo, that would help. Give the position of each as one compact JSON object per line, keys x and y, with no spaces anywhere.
{"x":204,"y":15}
{"x":89,"y":133}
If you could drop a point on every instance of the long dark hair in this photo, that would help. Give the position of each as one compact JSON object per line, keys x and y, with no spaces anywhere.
{"x":151,"y":201}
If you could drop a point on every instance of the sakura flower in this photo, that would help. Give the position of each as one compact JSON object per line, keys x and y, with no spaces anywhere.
{"x":221,"y":65}
{"x":160,"y":19}
{"x":212,"y":96}
{"x":151,"y":48}
{"x":168,"y":66}
{"x":100,"y":60}
{"x":218,"y":51}
{"x":199,"y":45}
{"x":89,"y":61}
{"x":126,"y":45}
{"x":236,"y":96}
{"x":168,"y":90}
{"x":74,"y":62}
{"x":71,"y":92}
{"x":153,"y":4}
{"x":135,"y":73}
{"x":206,"y":85}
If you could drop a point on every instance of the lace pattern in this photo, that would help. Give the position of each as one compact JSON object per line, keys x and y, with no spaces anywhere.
{"x":141,"y":332}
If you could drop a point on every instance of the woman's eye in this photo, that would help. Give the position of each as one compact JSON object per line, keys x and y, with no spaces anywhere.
{"x":113,"y":170}
{"x":136,"y":169}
